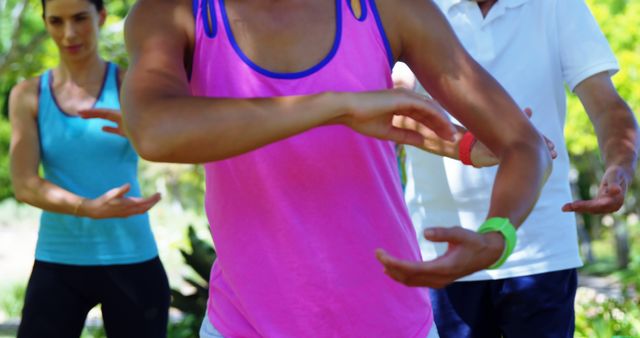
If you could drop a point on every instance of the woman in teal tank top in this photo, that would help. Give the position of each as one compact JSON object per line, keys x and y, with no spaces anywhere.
{"x":95,"y":244}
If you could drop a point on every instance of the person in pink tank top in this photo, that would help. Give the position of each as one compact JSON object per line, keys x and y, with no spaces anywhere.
{"x":289,"y":106}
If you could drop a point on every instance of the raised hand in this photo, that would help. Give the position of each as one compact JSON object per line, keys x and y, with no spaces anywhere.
{"x":610,"y":198}
{"x":481,"y":156}
{"x":114,"y":203}
{"x":468,"y":252}
{"x":372,"y":115}
{"x":107,"y":114}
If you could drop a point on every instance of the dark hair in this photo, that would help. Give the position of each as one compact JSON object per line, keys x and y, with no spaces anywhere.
{"x":99,"y":4}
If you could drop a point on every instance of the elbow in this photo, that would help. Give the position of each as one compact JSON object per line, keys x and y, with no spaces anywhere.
{"x":534,"y":150}
{"x":147,"y":139}
{"x":149,"y":146}
{"x":21,"y":193}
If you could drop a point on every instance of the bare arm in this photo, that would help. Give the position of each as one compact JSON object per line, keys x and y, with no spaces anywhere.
{"x":481,"y":156}
{"x":30,"y":188}
{"x":165,"y":123}
{"x":426,"y":42}
{"x":617,"y":131}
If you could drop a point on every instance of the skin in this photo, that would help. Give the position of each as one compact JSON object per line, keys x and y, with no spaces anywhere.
{"x":617,"y":132}
{"x":166,"y":124}
{"x":73,"y":25}
{"x":481,"y":156}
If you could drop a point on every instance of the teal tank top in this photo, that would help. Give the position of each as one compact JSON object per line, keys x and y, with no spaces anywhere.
{"x":79,"y":157}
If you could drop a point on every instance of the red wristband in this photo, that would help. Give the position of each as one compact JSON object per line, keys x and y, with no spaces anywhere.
{"x":464,"y":148}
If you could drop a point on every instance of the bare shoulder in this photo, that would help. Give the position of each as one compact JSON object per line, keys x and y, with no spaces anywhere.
{"x":406,"y":20}
{"x":150,"y":14}
{"x":23,"y":100}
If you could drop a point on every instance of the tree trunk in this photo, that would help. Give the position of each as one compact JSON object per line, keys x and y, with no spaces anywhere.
{"x":622,"y":243}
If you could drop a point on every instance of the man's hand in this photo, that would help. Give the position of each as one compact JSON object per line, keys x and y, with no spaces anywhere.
{"x":468,"y":252}
{"x":610,"y":198}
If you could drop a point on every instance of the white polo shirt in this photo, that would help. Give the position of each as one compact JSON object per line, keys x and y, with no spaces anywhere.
{"x":533,"y":48}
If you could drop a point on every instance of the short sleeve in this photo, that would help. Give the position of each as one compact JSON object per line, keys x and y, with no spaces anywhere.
{"x":584,"y":50}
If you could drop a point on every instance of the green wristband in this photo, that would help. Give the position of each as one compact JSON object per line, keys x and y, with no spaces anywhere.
{"x":508,"y":231}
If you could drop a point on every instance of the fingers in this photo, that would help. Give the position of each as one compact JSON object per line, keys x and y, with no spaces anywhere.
{"x":430,"y":274}
{"x":600,"y":205}
{"x":605,"y":204}
{"x":405,"y":136}
{"x":113,"y":130}
{"x":107,"y":114}
{"x":610,"y":196}
{"x":128,"y":206}
{"x":528,"y":112}
{"x":551,"y":146}
{"x":143,"y":205}
{"x":117,"y":192}
{"x":437,"y":121}
{"x":430,"y":114}
{"x":450,"y":235}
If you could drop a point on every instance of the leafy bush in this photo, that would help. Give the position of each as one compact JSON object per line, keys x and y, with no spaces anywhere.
{"x":599,"y":316}
{"x":6,"y":190}
{"x":12,"y":300}
{"x":194,"y":304}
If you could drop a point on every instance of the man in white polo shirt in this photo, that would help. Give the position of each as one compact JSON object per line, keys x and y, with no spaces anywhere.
{"x":533,"y":48}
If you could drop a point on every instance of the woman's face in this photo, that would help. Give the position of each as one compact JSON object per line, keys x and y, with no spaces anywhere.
{"x":74,"y":26}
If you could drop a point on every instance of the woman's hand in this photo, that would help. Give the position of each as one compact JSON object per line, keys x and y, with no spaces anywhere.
{"x":468,"y":252}
{"x":108,"y":114}
{"x":372,"y":114}
{"x":114,"y":203}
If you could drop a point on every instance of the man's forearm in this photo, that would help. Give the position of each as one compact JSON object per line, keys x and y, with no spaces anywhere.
{"x":618,"y":136}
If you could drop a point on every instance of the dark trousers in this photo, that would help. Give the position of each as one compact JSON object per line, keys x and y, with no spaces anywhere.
{"x":536,"y":306}
{"x":134,"y":299}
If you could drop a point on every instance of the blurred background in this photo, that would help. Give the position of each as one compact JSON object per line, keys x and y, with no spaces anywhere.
{"x":607,"y":303}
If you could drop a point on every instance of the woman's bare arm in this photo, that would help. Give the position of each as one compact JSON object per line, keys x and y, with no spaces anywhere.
{"x":165,"y":123}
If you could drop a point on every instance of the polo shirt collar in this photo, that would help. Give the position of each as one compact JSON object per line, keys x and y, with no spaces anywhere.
{"x":500,"y":5}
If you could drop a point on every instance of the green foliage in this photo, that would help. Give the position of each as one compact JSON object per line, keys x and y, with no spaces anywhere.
{"x":188,"y":327}
{"x":194,"y":304}
{"x":600,"y":316}
{"x":5,"y":181}
{"x":12,"y":300}
{"x":94,"y":332}
{"x":183,"y":184}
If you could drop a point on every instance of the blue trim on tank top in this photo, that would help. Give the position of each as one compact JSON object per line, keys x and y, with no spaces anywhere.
{"x":209,"y":10}
{"x":194,"y":8}
{"x":383,"y":34}
{"x":363,"y":9}
{"x":295,"y":75}
{"x":40,"y":86}
{"x":55,"y":100}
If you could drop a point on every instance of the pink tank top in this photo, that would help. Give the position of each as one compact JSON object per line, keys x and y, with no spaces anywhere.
{"x":296,"y":223}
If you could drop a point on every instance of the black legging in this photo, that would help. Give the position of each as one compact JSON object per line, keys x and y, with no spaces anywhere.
{"x":134,"y":297}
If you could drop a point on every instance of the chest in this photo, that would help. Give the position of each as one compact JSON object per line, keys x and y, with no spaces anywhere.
{"x":282,"y":36}
{"x":71,"y":98}
{"x":523,"y":59}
